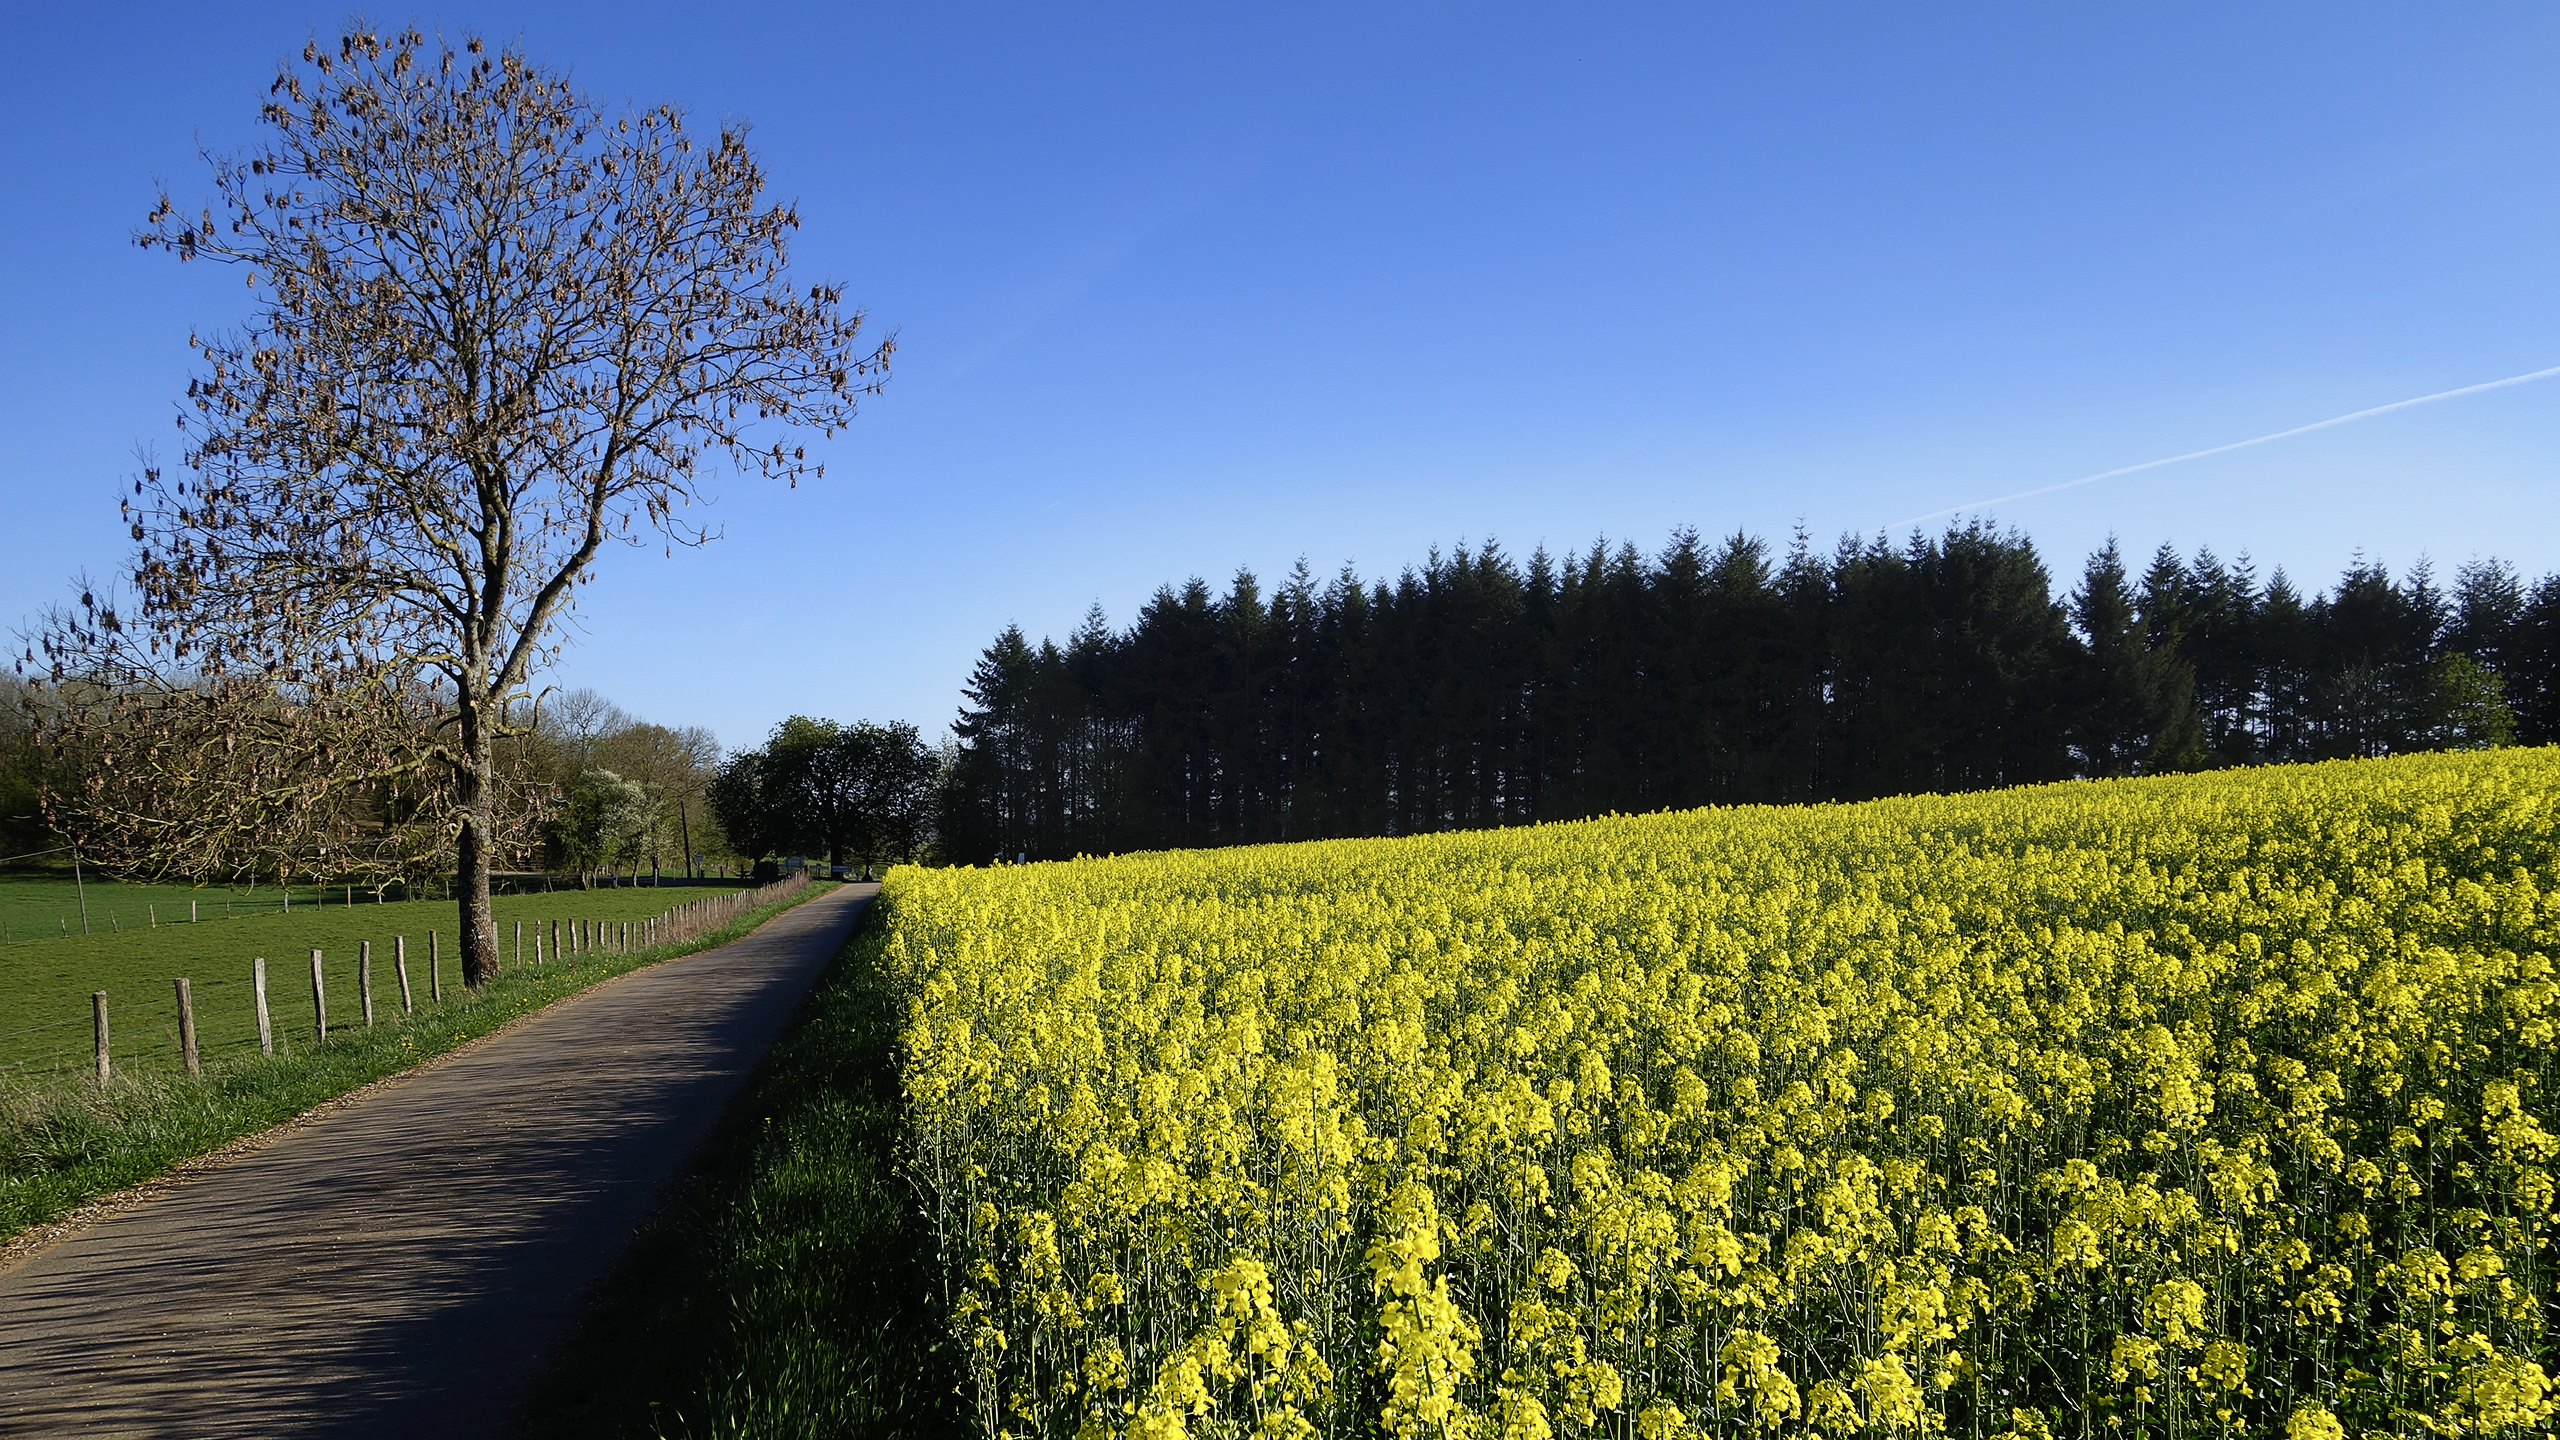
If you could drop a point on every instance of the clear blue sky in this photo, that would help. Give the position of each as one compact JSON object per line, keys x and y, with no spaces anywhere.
{"x":1185,"y":288}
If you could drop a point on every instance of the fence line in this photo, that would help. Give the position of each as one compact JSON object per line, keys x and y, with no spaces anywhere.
{"x":145,"y":1028}
{"x":271,"y":901}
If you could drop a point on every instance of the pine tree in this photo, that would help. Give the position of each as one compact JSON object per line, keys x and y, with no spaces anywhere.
{"x":2137,"y":699}
{"x":2530,"y":661}
{"x":1474,"y":691}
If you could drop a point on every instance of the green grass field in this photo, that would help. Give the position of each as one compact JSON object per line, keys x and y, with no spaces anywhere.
{"x":45,"y":904}
{"x":45,"y":986}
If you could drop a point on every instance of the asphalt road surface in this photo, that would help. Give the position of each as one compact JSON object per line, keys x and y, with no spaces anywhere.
{"x":406,"y":1265}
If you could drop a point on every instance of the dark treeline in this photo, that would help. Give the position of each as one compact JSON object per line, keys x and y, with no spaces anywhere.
{"x":1478,"y":691}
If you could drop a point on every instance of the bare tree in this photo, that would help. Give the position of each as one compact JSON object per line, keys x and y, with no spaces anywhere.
{"x":578,"y":719}
{"x":496,"y":328}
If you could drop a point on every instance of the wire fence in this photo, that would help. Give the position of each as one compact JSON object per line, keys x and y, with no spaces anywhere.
{"x":309,"y":996}
{"x":113,"y":907}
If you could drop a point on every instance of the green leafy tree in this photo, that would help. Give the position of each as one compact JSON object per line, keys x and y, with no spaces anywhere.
{"x":2468,"y":706}
{"x":604,"y":821}
{"x":747,"y":807}
{"x":814,"y":779}
{"x":896,"y":776}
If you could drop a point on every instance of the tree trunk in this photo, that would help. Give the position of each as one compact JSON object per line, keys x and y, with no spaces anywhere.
{"x":479,"y":929}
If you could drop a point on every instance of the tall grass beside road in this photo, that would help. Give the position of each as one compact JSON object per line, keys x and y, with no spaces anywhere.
{"x":788,"y":1290}
{"x":65,"y":1139}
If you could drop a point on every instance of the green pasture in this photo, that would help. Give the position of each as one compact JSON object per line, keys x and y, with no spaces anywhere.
{"x":45,"y":987}
{"x":45,"y":905}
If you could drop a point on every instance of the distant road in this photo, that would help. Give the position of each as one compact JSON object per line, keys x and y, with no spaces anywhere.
{"x":405,"y":1266}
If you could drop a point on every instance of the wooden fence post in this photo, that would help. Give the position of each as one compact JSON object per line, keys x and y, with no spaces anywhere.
{"x":364,"y":976}
{"x":435,"y":972}
{"x":98,"y":1003}
{"x":400,"y":963}
{"x":519,"y":944}
{"x":319,"y":1001}
{"x":187,"y":1028}
{"x":258,"y":985}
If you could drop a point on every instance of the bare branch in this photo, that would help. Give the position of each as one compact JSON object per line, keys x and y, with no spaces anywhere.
{"x":495,"y":328}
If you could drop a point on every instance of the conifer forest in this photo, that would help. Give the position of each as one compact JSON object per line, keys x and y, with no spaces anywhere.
{"x":1476,"y":690}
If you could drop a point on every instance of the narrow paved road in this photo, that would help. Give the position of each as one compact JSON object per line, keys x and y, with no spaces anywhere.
{"x":406,"y":1265}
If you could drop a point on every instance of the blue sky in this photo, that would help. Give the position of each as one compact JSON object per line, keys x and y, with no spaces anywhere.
{"x":1185,"y":288}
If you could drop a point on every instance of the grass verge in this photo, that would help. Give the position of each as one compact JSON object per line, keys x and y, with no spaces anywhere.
{"x":64,"y":1142}
{"x":787,"y":1288}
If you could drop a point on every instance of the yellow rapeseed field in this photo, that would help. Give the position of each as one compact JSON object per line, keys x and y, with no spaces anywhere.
{"x":2196,"y":1106}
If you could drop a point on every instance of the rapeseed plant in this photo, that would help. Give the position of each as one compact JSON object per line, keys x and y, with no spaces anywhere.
{"x":2215,"y":1105}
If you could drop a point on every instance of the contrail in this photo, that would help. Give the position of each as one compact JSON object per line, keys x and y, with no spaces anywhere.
{"x":2234,"y":445}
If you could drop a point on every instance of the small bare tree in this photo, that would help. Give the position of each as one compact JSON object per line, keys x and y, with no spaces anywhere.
{"x":497,"y":327}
